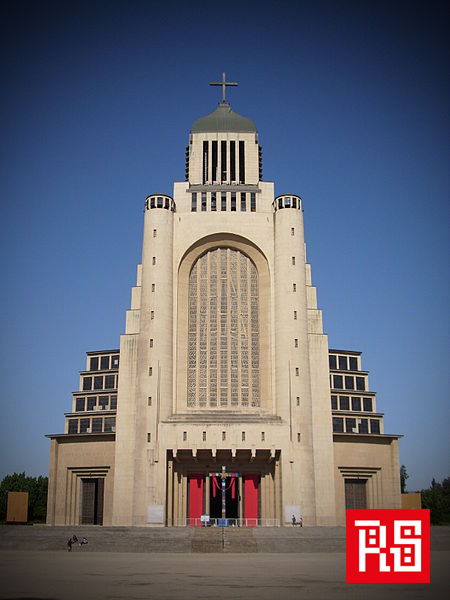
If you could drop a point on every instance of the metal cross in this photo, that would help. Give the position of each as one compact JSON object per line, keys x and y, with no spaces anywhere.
{"x":223,"y":83}
{"x":223,"y":475}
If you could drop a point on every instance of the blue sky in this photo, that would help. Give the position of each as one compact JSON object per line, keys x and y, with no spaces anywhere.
{"x":351,"y":103}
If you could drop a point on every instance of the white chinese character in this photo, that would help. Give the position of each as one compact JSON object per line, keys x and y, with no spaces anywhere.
{"x":407,"y":542}
{"x":369,"y":538}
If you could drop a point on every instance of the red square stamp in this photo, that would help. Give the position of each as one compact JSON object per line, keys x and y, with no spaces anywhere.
{"x":388,"y":546}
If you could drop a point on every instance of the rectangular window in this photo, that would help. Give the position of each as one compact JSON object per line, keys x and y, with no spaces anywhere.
{"x":93,"y":366}
{"x":73,"y":426}
{"x":153,"y":260}
{"x":223,"y":160}
{"x":297,"y":371}
{"x":104,"y":363}
{"x":233,"y":201}
{"x":294,"y":287}
{"x":87,"y":383}
{"x":367,"y":404}
{"x":97,"y":425}
{"x":338,"y":425}
{"x":363,"y":426}
{"x":374,"y":426}
{"x":103,"y":402}
{"x":98,"y":382}
{"x":213,"y":201}
{"x":159,"y":202}
{"x":203,"y":201}
{"x":224,"y":436}
{"x":353,"y":363}
{"x":337,"y":382}
{"x":349,"y":383}
{"x":153,"y":287}
{"x":113,"y":402}
{"x":193,"y":203}
{"x":224,"y":201}
{"x":204,"y":436}
{"x":295,"y":315}
{"x":149,"y":400}
{"x":84,"y":425}
{"x":115,"y":362}
{"x":292,"y":231}
{"x":241,"y":162}
{"x":151,"y":342}
{"x":263,"y":436}
{"x":253,"y":202}
{"x":356,"y":403}
{"x":293,"y":260}
{"x":350,"y":426}
{"x":298,"y":437}
{"x":298,"y":400}
{"x":233,"y":161}
{"x":109,"y":382}
{"x":152,"y":314}
{"x":294,"y":202}
{"x":150,"y":371}
{"x":360,"y":384}
{"x":280,"y":202}
{"x":109,"y":424}
{"x":334,"y":403}
{"x":214,"y":161}
{"x":343,"y":363}
{"x":149,"y":437}
{"x":80,"y":404}
{"x":243,"y":436}
{"x":205,"y":161}
{"x":154,"y":233}
{"x":295,"y":343}
{"x":243,"y":201}
{"x":332,"y":361}
{"x":344,"y":402}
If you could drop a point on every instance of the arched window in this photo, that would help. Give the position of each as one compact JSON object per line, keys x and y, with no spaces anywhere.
{"x":223,"y":331}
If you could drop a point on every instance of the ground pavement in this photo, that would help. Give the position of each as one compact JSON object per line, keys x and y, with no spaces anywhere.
{"x":175,"y":564}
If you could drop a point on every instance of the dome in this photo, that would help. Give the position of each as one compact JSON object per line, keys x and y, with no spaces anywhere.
{"x":223,"y":119}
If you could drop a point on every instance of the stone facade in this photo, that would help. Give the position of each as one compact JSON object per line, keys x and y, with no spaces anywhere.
{"x":224,"y":367}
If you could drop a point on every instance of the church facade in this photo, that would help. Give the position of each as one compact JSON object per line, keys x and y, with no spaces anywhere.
{"x":224,"y":400}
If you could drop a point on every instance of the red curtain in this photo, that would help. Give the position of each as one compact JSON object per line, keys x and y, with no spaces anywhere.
{"x":251,"y":499}
{"x":195,"y":499}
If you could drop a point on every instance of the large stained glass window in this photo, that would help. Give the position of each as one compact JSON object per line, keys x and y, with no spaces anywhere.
{"x":223,"y":343}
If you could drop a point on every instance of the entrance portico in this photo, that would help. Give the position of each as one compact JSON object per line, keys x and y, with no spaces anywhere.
{"x":252,"y":486}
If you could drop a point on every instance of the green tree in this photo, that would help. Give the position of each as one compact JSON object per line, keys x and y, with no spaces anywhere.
{"x":437,"y":499}
{"x":37,"y":495}
{"x":403,"y":477}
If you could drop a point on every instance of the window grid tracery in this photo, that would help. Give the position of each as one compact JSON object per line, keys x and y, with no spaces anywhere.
{"x":223,"y":331}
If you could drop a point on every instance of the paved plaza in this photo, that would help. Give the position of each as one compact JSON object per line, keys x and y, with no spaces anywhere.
{"x":307,"y":563}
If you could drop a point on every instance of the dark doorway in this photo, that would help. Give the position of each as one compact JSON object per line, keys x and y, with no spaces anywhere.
{"x":355,"y":493}
{"x":92,"y":501}
{"x":231,"y":504}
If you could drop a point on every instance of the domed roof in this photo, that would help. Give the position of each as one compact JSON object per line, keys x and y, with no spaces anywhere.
{"x":223,"y":119}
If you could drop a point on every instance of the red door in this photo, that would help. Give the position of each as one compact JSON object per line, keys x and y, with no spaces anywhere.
{"x":195,"y":499}
{"x":251,"y":482}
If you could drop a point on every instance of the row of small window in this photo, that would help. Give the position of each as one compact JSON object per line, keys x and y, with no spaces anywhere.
{"x":99,"y":382}
{"x":355,"y":425}
{"x":96,"y":403}
{"x":94,"y":425}
{"x":344,"y":403}
{"x":160,"y":202}
{"x":346,"y":363}
{"x":224,"y":436}
{"x":287,"y":202}
{"x":228,"y":201}
{"x":339,"y":382}
{"x":103,"y":363}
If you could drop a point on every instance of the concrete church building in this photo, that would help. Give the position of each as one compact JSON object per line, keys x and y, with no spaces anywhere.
{"x":224,"y":399}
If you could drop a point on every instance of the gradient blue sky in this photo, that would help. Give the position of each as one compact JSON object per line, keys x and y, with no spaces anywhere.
{"x":351,"y":103}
